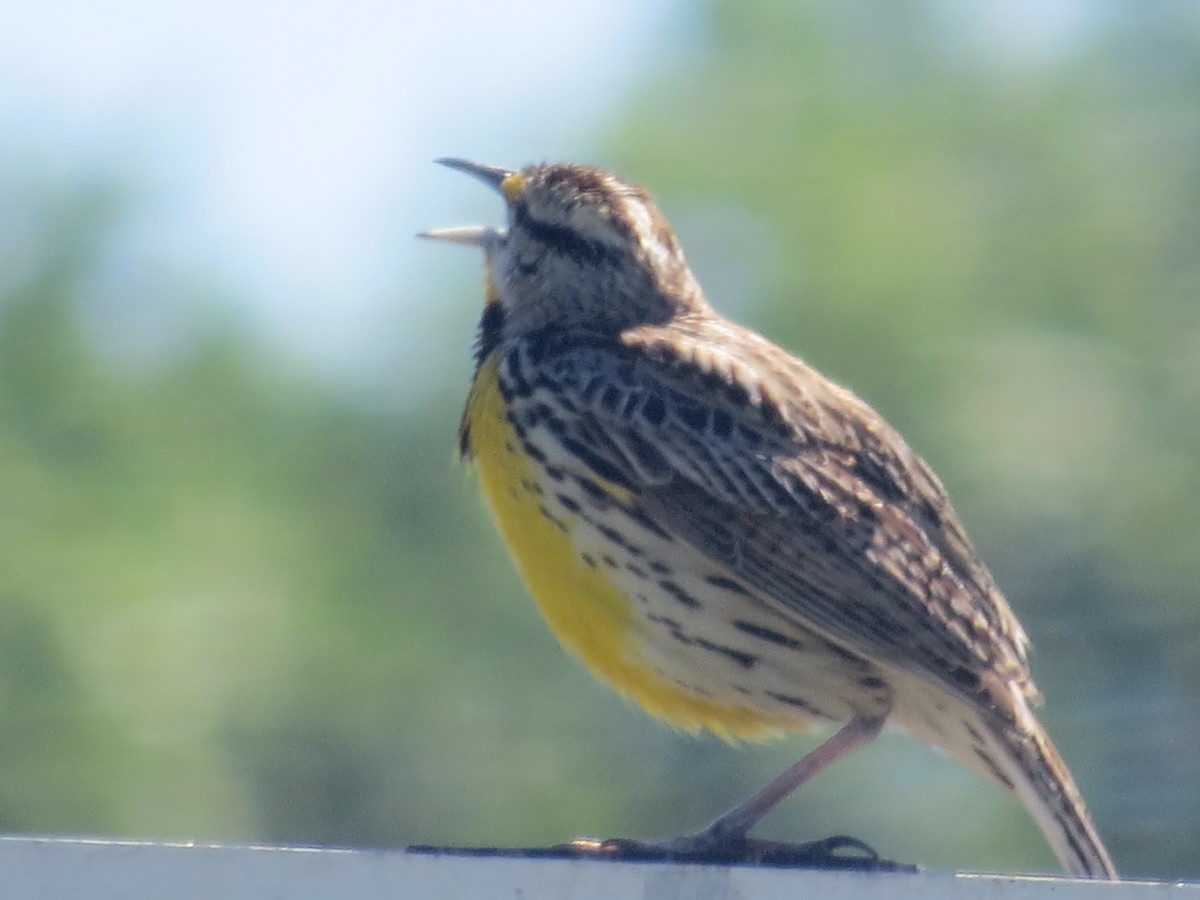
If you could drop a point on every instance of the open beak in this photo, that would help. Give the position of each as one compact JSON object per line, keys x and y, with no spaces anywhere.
{"x":470,"y":235}
{"x":492,"y":176}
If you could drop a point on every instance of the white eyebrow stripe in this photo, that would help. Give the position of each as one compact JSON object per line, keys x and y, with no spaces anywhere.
{"x":647,"y":234}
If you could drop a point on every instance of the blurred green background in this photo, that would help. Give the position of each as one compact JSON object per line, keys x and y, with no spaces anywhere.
{"x":243,"y":600}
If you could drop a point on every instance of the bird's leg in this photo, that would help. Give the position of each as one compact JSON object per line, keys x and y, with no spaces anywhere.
{"x":726,"y":840}
{"x":736,"y":824}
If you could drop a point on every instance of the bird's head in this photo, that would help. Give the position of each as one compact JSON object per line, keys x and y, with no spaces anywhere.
{"x":582,"y":248}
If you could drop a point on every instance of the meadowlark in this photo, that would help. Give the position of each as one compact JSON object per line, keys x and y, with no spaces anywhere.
{"x":728,"y":537}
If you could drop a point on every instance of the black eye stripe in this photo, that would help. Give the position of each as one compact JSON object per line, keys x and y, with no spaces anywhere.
{"x":562,"y":239}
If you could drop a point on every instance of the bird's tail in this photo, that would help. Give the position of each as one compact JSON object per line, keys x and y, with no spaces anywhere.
{"x":1041,"y":780}
{"x":1016,"y":753}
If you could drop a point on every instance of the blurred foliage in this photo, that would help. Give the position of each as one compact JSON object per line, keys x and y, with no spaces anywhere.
{"x":236,"y":603}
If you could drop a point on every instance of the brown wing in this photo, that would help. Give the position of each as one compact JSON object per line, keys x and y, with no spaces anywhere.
{"x":797,"y":486}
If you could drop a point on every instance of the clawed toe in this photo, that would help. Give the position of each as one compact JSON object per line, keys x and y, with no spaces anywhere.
{"x":713,"y":848}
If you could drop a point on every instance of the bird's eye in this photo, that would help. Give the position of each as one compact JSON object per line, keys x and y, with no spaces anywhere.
{"x":560,"y":238}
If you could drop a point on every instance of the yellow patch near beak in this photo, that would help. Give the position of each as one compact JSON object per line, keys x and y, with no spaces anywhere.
{"x":513,"y":186}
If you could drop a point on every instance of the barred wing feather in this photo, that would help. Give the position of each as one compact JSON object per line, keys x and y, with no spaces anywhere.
{"x":814,"y":501}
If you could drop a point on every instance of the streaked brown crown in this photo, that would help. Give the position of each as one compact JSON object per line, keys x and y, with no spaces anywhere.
{"x":585,"y":249}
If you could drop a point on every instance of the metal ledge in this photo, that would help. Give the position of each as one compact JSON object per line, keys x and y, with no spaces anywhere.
{"x":36,"y":868}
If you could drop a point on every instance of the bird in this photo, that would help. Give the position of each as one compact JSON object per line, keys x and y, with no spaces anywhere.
{"x":731,"y":539}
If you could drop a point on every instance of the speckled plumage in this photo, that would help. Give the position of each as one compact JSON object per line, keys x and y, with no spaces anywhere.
{"x":729,"y":537}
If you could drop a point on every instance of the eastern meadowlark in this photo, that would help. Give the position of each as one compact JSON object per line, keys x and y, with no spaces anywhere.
{"x":728,"y":537}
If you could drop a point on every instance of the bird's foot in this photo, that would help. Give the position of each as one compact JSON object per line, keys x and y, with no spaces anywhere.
{"x":715,"y":848}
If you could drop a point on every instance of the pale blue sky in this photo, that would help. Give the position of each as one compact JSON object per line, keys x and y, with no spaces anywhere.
{"x":283,"y":149}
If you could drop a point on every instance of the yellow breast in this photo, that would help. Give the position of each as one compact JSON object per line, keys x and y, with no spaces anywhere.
{"x":587,"y":612}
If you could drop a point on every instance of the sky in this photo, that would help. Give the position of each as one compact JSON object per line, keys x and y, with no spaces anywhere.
{"x":283,"y":150}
